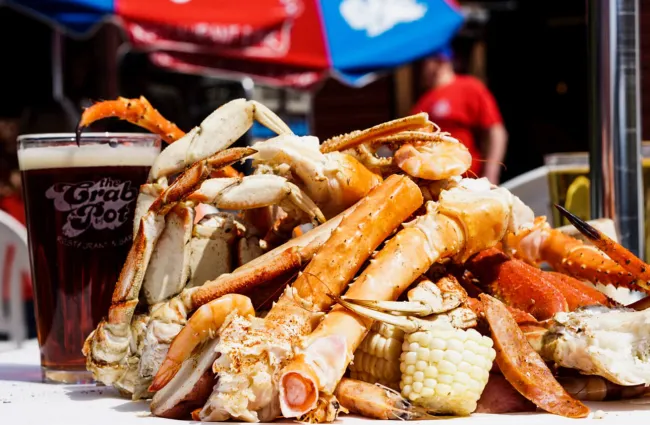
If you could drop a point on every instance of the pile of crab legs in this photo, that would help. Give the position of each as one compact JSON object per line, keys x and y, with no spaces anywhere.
{"x":182,"y":327}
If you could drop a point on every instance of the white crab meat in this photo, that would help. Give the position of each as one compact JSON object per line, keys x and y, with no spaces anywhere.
{"x":210,"y":248}
{"x":169,"y":268}
{"x":612,"y":343}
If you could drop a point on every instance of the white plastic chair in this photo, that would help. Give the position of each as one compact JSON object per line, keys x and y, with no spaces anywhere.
{"x":14,"y":264}
{"x":532,"y":188}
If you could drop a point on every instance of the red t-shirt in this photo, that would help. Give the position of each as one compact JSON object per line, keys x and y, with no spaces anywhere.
{"x":462,"y":108}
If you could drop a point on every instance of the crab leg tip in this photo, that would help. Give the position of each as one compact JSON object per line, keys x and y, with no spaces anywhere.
{"x":585,"y":228}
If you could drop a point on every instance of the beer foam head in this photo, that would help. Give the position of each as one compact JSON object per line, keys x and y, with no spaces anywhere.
{"x":88,"y":155}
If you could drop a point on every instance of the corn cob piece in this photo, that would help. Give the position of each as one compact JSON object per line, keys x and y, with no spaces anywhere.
{"x":377,"y":360}
{"x":445,"y":370}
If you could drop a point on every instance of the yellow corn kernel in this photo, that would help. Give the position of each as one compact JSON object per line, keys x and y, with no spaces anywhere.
{"x":456,"y":371}
{"x":377,"y":360}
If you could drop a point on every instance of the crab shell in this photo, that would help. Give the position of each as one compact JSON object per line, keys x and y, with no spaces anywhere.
{"x":612,"y":343}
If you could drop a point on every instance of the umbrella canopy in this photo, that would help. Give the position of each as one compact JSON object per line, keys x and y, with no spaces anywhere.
{"x":78,"y":17}
{"x":285,"y":42}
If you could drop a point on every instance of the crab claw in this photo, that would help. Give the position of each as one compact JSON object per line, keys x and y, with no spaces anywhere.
{"x":626,"y":259}
{"x":416,"y":308}
{"x":425,"y":299}
{"x":136,"y":111}
{"x":406,"y":323}
{"x":196,"y":174}
{"x":356,"y":138}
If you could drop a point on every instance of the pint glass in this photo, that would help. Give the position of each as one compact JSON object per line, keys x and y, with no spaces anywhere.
{"x":568,"y":183}
{"x":80,"y":204}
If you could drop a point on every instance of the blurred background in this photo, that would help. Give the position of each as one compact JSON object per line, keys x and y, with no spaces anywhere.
{"x":60,"y":56}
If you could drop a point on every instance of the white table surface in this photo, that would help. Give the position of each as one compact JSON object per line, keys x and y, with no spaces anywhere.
{"x":25,"y":400}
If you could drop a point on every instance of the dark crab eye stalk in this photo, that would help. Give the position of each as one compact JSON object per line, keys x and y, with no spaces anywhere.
{"x":626,"y":259}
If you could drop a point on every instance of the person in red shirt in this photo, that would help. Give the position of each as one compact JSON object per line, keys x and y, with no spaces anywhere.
{"x":464,"y":107}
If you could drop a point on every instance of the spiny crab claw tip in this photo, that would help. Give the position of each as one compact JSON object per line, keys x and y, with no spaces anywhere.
{"x":585,"y":228}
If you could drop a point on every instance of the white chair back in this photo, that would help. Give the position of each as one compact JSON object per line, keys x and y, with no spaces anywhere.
{"x":532,"y":188}
{"x":14,"y":267}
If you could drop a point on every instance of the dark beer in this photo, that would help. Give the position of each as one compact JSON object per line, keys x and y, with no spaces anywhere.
{"x":80,"y":207}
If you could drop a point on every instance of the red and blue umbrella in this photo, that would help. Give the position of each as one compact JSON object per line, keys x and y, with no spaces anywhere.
{"x":290,"y":42}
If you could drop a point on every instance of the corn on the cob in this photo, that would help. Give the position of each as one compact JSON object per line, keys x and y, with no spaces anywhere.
{"x":445,"y":369}
{"x":377,"y":358}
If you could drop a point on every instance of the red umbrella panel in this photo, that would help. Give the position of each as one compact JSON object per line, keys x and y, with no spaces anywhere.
{"x":287,"y":32}
{"x":270,"y":74}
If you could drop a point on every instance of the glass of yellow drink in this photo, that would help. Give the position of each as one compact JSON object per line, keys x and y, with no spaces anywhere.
{"x":568,"y":183}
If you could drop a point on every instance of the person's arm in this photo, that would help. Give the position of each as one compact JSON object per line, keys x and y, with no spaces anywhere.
{"x":495,"y":142}
{"x":494,"y":137}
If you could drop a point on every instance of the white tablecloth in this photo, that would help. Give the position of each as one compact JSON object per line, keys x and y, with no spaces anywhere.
{"x":25,"y":400}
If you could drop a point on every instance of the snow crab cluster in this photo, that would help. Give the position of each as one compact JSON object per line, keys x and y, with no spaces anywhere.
{"x":417,"y":292}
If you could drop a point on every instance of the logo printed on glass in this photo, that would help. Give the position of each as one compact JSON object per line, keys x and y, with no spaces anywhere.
{"x":100,"y":205}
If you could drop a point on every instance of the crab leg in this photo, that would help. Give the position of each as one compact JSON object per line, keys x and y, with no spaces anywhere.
{"x":141,"y":113}
{"x":347,"y":141}
{"x":257,"y":191}
{"x":424,"y":151}
{"x":326,"y":353}
{"x":569,"y":255}
{"x":218,"y":131}
{"x":108,"y":345}
{"x":246,"y":193}
{"x":377,"y":215}
{"x":168,"y":277}
{"x":453,"y":228}
{"x":302,"y":304}
{"x":528,"y":288}
{"x":280,"y":261}
{"x":333,"y":180}
{"x":271,"y":265}
{"x":426,"y":155}
{"x":627,"y":260}
{"x":424,"y":300}
{"x":136,"y":111}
